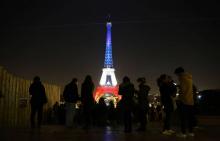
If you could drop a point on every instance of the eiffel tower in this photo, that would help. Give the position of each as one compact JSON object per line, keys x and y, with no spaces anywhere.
{"x":108,"y":83}
{"x":108,"y":72}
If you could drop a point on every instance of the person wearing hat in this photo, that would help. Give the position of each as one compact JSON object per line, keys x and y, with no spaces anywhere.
{"x":142,"y":96}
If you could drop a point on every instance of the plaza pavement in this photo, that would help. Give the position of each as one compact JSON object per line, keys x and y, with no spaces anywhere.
{"x":207,"y":131}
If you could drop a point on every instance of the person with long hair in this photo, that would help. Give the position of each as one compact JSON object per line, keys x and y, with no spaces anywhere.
{"x":88,"y":101}
{"x":126,"y":90}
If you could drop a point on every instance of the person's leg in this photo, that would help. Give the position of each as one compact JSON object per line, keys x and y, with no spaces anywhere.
{"x":87,"y":116}
{"x":166,"y":121}
{"x":195,"y":120}
{"x":169,"y":113}
{"x":183,"y":117}
{"x":143,"y":120}
{"x":33,"y":113}
{"x":127,"y":121}
{"x":39,"y":115}
{"x":190,"y":118}
{"x":139,"y":118}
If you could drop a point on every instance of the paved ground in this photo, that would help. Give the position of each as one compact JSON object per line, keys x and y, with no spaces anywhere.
{"x":60,"y":133}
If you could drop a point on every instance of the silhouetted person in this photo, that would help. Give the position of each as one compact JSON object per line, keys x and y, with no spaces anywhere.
{"x":101,"y":112}
{"x":167,"y":93}
{"x":126,"y":90}
{"x":112,"y":113}
{"x":87,"y":100}
{"x":38,"y":99}
{"x":71,"y":96}
{"x":143,"y":103}
{"x":186,"y":101}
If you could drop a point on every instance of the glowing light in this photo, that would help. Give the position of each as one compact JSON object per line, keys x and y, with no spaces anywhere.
{"x":102,"y":90}
{"x":199,"y":96}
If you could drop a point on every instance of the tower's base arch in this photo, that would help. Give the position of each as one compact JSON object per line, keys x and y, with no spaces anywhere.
{"x":107,"y":92}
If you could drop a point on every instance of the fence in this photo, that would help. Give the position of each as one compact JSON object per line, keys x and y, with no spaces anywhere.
{"x":14,"y":99}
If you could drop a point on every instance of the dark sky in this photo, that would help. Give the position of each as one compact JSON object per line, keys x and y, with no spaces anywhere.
{"x":59,"y":40}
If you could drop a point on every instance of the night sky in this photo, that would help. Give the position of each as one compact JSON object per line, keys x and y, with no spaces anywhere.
{"x":59,"y":40}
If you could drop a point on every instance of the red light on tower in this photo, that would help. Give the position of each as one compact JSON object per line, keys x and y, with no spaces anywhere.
{"x":103,"y":90}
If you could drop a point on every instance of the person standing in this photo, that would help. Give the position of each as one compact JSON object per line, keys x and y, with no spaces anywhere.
{"x":38,"y":99}
{"x":126,"y":90}
{"x":167,"y":93}
{"x":71,"y":96}
{"x":143,"y":103}
{"x":186,"y":101}
{"x":88,"y":102}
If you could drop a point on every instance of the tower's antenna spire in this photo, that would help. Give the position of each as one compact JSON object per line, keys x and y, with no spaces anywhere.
{"x":109,"y":18}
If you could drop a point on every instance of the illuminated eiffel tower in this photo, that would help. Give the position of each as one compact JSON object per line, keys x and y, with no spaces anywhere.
{"x":108,"y":84}
{"x":108,"y":72}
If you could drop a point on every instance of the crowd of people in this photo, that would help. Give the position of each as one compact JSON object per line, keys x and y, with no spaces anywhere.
{"x":82,"y":110}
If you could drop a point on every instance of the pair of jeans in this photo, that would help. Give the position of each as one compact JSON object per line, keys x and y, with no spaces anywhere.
{"x":127,"y":120}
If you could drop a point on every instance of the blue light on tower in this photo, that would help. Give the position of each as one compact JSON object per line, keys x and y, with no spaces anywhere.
{"x":108,"y":52}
